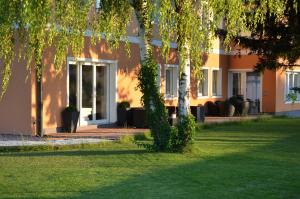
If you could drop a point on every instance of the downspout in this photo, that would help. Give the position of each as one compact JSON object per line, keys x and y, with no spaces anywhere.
{"x":39,"y":102}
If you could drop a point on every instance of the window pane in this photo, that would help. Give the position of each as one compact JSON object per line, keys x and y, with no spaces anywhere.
{"x":203,"y":84}
{"x":217,"y":84}
{"x":101,"y":92}
{"x":174,"y":81}
{"x":87,"y":86}
{"x":73,"y":85}
{"x":168,"y":82}
{"x":291,"y":84}
{"x":236,"y":84}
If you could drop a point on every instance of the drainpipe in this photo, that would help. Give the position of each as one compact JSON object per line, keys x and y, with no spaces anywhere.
{"x":39,"y":102}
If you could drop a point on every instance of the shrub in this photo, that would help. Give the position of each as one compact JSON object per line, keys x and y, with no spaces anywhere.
{"x":183,"y":134}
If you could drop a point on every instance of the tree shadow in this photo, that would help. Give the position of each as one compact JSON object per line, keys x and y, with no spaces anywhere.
{"x":249,"y":174}
{"x":255,"y":173}
{"x":75,"y":153}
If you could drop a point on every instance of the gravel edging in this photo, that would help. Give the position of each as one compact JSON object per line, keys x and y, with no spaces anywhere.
{"x":17,"y":140}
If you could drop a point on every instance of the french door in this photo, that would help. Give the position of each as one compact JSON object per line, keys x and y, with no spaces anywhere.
{"x":94,"y":89}
{"x":89,"y":91}
{"x":247,"y":84}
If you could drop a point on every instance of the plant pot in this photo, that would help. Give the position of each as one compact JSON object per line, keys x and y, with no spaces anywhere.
{"x":212,"y":109}
{"x":70,"y":121}
{"x":221,"y":107}
{"x":139,"y":118}
{"x":122,"y":117}
{"x":245,"y":107}
{"x":229,"y":109}
{"x":122,"y":113}
{"x":199,"y":113}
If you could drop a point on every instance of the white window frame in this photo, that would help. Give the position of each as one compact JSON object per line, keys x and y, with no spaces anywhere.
{"x":159,"y":77}
{"x":220,"y":95}
{"x":287,"y":86}
{"x":112,"y":81}
{"x":175,"y":95}
{"x":199,"y":94}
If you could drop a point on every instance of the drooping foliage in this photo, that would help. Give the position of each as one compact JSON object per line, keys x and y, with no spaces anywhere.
{"x":28,"y":27}
{"x":196,"y":23}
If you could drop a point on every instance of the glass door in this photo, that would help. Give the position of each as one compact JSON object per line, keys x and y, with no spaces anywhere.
{"x":87,"y":94}
{"x":94,"y":89}
{"x":101,"y":93}
{"x":253,"y":86}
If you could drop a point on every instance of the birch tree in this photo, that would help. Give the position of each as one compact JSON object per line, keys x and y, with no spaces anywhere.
{"x":193,"y":24}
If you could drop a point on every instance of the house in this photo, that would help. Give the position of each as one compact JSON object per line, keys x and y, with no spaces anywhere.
{"x":100,"y":77}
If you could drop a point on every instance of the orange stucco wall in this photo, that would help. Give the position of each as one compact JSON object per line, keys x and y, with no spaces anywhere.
{"x":15,"y":110}
{"x":269,"y":91}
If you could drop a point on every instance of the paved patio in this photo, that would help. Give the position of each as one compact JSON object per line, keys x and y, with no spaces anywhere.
{"x":92,"y":135}
{"x":115,"y":133}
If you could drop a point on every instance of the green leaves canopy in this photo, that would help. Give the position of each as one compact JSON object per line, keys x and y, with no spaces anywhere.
{"x":28,"y":27}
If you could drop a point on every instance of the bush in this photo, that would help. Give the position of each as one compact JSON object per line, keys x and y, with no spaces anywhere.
{"x":182,"y":136}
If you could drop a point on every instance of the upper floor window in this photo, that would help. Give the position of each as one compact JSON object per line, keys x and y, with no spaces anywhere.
{"x":171,"y":80}
{"x":292,"y":81}
{"x":203,"y":84}
{"x":217,"y":82}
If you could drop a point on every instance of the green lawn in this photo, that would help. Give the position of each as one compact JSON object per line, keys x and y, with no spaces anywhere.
{"x":259,"y":159}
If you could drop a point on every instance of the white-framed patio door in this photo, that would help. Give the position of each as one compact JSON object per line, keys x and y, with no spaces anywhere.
{"x":93,"y":89}
{"x":246,"y":83}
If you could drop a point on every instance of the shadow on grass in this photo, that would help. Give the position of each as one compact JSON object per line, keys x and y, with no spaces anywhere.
{"x":75,"y":153}
{"x":262,"y":172}
{"x":252,"y":174}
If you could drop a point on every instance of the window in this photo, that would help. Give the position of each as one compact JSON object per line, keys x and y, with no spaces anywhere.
{"x":217,"y":82}
{"x":236,"y":84}
{"x":203,"y":84}
{"x":171,"y":80}
{"x":292,"y":80}
{"x":73,"y":85}
{"x":158,"y":76}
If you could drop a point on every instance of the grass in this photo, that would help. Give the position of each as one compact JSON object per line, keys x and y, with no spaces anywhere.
{"x":258,"y":159}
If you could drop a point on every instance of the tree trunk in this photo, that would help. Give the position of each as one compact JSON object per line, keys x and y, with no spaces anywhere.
{"x":145,"y":43}
{"x":184,"y":86}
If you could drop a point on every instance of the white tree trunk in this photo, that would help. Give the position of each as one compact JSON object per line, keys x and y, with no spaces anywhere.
{"x":184,"y":87}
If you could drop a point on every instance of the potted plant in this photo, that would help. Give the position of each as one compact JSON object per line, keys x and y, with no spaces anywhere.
{"x":122,"y":113}
{"x":70,"y":116}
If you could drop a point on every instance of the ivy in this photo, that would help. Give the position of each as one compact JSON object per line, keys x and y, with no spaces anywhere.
{"x":154,"y":105}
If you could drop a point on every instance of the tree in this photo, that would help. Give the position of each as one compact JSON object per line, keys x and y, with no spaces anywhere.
{"x":193,"y":26}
